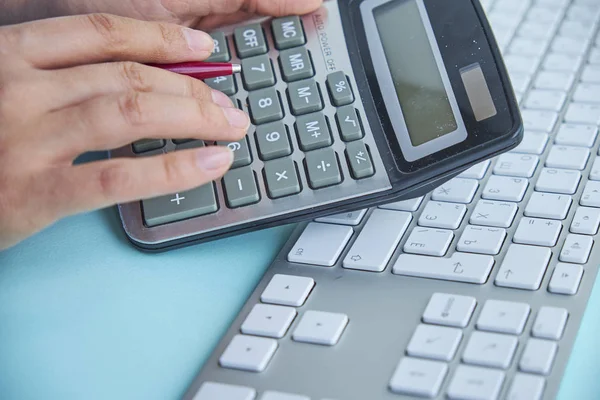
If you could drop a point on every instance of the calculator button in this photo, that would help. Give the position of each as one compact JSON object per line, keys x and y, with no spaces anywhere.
{"x":475,"y":383}
{"x":296,"y":64}
{"x":313,"y":131}
{"x":268,"y":320}
{"x":305,"y":97}
{"x":323,"y":168}
{"x":257,"y":72}
{"x":416,"y":377}
{"x":265,"y":106}
{"x":186,"y":144}
{"x":221,"y":50}
{"x":349,"y":124}
{"x":320,"y":327}
{"x":273,"y":141}
{"x":145,"y":145}
{"x":248,"y":353}
{"x":225,"y":84}
{"x":339,"y":89}
{"x":241,"y":152}
{"x":250,"y":41}
{"x":360,"y":161}
{"x":180,"y":206}
{"x":214,"y":390}
{"x":282,"y":178}
{"x":287,"y":290}
{"x":240,"y":187}
{"x":288,"y":32}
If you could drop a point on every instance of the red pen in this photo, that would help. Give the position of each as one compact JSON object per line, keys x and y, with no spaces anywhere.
{"x":201,"y":70}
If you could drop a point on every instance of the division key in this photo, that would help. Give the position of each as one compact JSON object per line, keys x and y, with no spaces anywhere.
{"x":179,"y":206}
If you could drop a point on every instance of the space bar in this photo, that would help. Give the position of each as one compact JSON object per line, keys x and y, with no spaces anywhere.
{"x":461,"y":267}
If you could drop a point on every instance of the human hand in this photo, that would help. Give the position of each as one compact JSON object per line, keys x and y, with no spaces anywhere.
{"x":66,"y":89}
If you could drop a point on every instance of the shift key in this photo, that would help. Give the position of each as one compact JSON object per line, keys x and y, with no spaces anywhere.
{"x":378,"y":240}
{"x":179,"y":206}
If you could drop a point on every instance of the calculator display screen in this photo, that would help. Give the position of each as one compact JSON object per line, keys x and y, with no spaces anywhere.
{"x":416,"y":77}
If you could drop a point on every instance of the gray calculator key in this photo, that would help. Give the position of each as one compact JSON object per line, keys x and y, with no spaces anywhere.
{"x":305,"y":97}
{"x":177,"y":207}
{"x":221,"y":50}
{"x":250,"y":41}
{"x":339,"y":89}
{"x":296,"y":64}
{"x":282,"y":178}
{"x":188,"y":144}
{"x":258,"y":72}
{"x":265,"y":106}
{"x":241,"y":152}
{"x":240,"y":187}
{"x":360,"y":161}
{"x":144,"y":145}
{"x":273,"y":141}
{"x":313,"y":131}
{"x":288,"y":32}
{"x":225,"y":84}
{"x":323,"y":168}
{"x":349,"y":124}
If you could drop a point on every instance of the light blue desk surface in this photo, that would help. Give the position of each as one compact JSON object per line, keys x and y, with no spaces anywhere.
{"x":83,"y":315}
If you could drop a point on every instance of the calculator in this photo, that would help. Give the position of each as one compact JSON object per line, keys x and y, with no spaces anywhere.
{"x":360,"y":103}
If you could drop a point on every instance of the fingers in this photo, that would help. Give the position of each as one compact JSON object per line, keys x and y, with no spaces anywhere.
{"x":114,"y":121}
{"x":92,"y":38}
{"x":275,"y":8}
{"x":102,"y":184}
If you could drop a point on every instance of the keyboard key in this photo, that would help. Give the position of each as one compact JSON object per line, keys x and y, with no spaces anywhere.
{"x":577,"y":135}
{"x":359,"y":159}
{"x":520,"y":82}
{"x":349,"y":124}
{"x":320,"y":244}
{"x":434,"y":342}
{"x":288,"y":32}
{"x":576,"y":249}
{"x":287,"y":290}
{"x":415,"y":377}
{"x":240,"y":187}
{"x":428,"y":241}
{"x":538,"y":356}
{"x":575,"y":29}
{"x":555,"y":80}
{"x":542,"y":99}
{"x":583,"y":113}
{"x":533,"y":143}
{"x":587,"y":93}
{"x":305,"y":97}
{"x":558,"y":181}
{"x":561,"y":62}
{"x":461,"y":267}
{"x":378,"y":240}
{"x":221,"y":50}
{"x":450,"y":310}
{"x":526,"y":387}
{"x":539,"y":120}
{"x":296,"y":64}
{"x":519,"y":165}
{"x":537,"y":232}
{"x":527,"y":47}
{"x":225,"y":84}
{"x":591,"y":194}
{"x":281,"y":178}
{"x":406,"y":205}
{"x":313,"y":131}
{"x":268,"y":320}
{"x":241,"y":152}
{"x":591,"y":74}
{"x":442,"y":215}
{"x":146,"y":145}
{"x":180,"y":206}
{"x":475,"y":383}
{"x":352,"y":218}
{"x":594,"y":57}
{"x":457,"y":190}
{"x":503,"y":317}
{"x":481,"y":240}
{"x":248,"y":353}
{"x":586,"y":221}
{"x":250,"y":41}
{"x":272,"y":395}
{"x":477,"y":171}
{"x":595,"y":171}
{"x":550,"y":323}
{"x":549,"y":206}
{"x":323,"y":168}
{"x":320,"y":327}
{"x":519,"y":64}
{"x":504,"y":188}
{"x":513,"y":275}
{"x":566,"y":279}
{"x":571,"y":46}
{"x":568,"y":157}
{"x":265,"y":106}
{"x":214,"y":390}
{"x":340,"y":89}
{"x":257,"y":72}
{"x":490,"y":350}
{"x":493,"y":213}
{"x":273,"y":141}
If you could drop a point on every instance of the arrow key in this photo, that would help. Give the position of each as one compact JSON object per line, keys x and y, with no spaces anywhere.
{"x":268,"y":320}
{"x":513,"y":275}
{"x":359,"y":160}
{"x":287,"y":290}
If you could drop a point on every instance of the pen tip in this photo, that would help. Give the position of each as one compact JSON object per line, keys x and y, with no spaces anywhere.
{"x":237,"y":68}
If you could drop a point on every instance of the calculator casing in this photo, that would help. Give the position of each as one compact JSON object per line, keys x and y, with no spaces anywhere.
{"x":472,"y":43}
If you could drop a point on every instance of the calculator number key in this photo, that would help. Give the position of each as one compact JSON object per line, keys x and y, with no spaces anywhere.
{"x":282,"y":178}
{"x":225,"y":84}
{"x":240,"y":187}
{"x":145,"y":145}
{"x":288,"y":32}
{"x":241,"y":152}
{"x":305,"y":97}
{"x":221,"y":49}
{"x":339,"y":89}
{"x":359,"y":160}
{"x":265,"y":106}
{"x":258,"y":72}
{"x":273,"y":141}
{"x":323,"y":168}
{"x":250,"y":41}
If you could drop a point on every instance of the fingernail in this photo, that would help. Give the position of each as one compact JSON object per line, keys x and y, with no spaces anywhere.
{"x":221,"y":99}
{"x":213,"y":157}
{"x":237,"y":118}
{"x":198,"y":41}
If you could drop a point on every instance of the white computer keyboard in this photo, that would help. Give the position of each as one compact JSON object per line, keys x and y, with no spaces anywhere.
{"x":475,"y":291}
